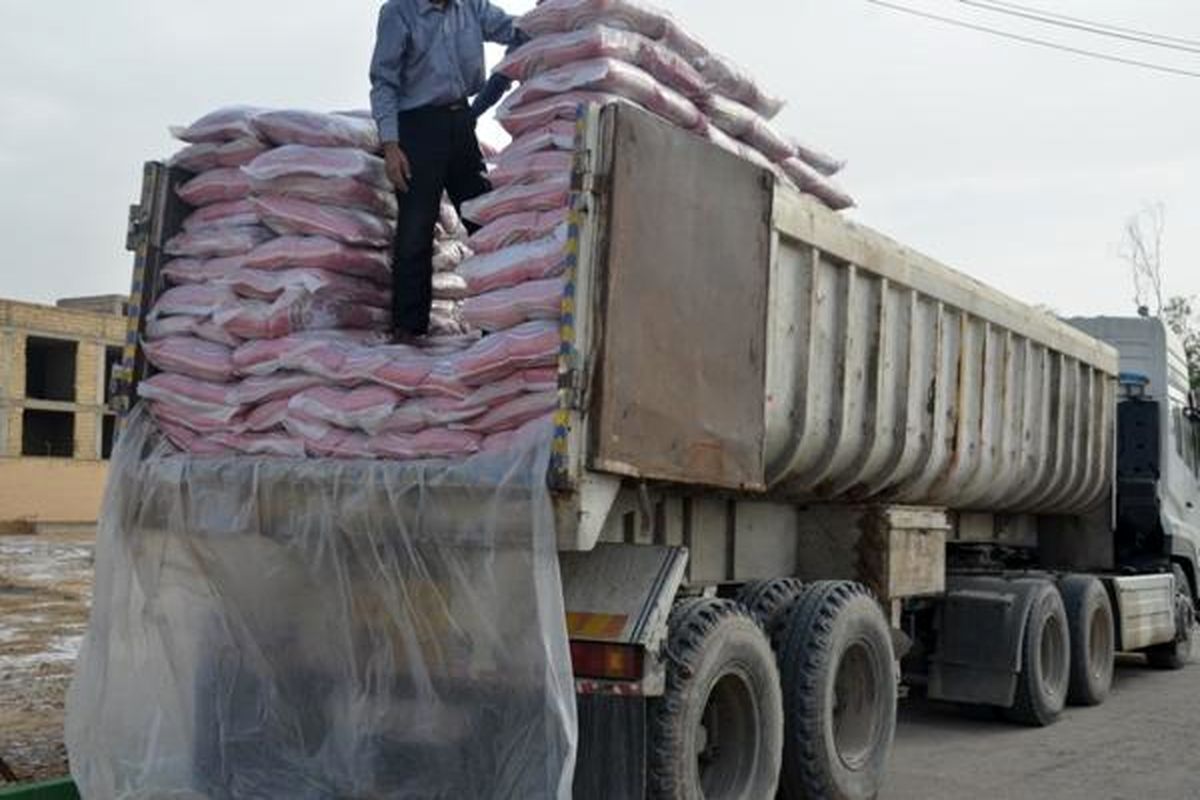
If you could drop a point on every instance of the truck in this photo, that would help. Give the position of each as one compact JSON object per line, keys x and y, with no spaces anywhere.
{"x":798,"y":469}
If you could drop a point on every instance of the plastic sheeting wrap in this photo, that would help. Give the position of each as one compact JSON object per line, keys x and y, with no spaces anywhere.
{"x":268,"y":628}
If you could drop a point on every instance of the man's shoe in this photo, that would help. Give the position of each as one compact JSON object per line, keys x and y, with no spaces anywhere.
{"x":406,"y":338}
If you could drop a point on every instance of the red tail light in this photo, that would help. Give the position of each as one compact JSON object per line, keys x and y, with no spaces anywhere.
{"x":609,"y":662}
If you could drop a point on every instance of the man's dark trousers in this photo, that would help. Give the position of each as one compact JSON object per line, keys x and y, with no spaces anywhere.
{"x":443,"y":155}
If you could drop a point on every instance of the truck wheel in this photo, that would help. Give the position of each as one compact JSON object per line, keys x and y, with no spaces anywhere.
{"x":717,"y":732}
{"x":839,"y":694}
{"x":1093,"y":641}
{"x":1045,"y":661}
{"x":767,"y":600}
{"x":1177,"y":654}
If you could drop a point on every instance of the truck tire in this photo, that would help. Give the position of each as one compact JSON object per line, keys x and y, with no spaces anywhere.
{"x":839,"y":694}
{"x":1045,"y":661}
{"x":1177,"y":654}
{"x":768,"y":600}
{"x":717,"y":732}
{"x":1093,"y":640}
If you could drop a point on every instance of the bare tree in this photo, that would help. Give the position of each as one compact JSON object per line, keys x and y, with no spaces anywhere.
{"x":1178,"y":314}
{"x":1142,"y":251}
{"x":1181,"y":317}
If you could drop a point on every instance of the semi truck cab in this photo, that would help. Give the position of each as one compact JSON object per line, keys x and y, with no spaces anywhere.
{"x":1156,"y":522}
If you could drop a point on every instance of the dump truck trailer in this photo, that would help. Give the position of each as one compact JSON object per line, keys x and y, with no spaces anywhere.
{"x":795,"y":461}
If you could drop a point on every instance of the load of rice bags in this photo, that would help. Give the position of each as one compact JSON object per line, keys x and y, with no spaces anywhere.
{"x":272,"y":338}
{"x":602,"y":51}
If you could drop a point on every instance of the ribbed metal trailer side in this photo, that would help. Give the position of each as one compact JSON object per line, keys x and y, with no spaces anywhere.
{"x":724,"y":332}
{"x":893,"y":378}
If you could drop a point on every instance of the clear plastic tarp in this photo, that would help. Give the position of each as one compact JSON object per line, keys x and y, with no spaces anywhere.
{"x":270,"y":628}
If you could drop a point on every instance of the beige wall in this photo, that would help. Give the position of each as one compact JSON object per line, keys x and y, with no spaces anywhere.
{"x":53,"y":490}
{"x":12,"y":433}
{"x":50,"y":490}
{"x":14,"y":364}
{"x":92,"y":332}
{"x":60,"y":322}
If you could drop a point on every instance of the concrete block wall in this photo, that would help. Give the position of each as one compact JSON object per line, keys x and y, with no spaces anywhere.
{"x":53,"y":490}
{"x":89,"y":378}
{"x":87,"y":446}
{"x":65,"y":323}
{"x":10,"y":417}
{"x":89,"y":363}
{"x":14,"y":428}
{"x":50,"y":490}
{"x":14,"y":348}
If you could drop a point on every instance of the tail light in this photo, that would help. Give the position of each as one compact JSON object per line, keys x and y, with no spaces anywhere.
{"x":610,"y":662}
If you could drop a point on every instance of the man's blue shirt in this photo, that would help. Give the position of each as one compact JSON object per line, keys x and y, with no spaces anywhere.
{"x":431,"y":55}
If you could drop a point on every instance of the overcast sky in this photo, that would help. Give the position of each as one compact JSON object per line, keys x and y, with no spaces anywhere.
{"x":1014,"y":164}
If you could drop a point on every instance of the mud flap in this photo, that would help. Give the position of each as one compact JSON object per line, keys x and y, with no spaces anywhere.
{"x":981,"y":627}
{"x":612,"y":748}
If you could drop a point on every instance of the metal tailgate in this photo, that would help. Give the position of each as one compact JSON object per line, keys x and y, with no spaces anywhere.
{"x":686,"y":275}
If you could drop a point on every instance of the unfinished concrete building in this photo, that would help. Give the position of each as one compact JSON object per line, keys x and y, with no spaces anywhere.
{"x":55,"y":430}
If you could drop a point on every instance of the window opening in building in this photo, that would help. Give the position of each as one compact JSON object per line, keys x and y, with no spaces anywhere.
{"x":107,"y":430}
{"x":50,"y":369}
{"x":112,"y":360}
{"x":48,"y":434}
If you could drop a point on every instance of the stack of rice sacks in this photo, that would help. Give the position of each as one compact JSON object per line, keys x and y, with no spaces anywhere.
{"x":602,"y":51}
{"x":272,"y":338}
{"x":598,"y":51}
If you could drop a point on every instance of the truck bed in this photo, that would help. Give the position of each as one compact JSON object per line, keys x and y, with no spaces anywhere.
{"x":724,"y":332}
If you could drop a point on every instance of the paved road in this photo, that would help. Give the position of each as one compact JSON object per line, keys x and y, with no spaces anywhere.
{"x":1142,"y":744}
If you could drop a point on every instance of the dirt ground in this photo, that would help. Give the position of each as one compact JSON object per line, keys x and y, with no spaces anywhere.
{"x":45,"y":592}
{"x":1142,"y":743}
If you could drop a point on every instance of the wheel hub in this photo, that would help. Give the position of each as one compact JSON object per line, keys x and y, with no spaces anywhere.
{"x":1100,"y":653}
{"x":1053,"y":654}
{"x":857,"y":715}
{"x":726,"y":738}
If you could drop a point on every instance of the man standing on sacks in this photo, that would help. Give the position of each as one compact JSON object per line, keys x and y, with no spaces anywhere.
{"x":428,"y":63}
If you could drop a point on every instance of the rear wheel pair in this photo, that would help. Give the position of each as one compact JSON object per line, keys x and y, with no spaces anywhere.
{"x":1067,"y":651}
{"x":814,"y":719}
{"x":1093,"y":639}
{"x":1070,"y":642}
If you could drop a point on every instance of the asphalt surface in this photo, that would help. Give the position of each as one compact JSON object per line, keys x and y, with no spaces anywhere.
{"x":1143,"y":743}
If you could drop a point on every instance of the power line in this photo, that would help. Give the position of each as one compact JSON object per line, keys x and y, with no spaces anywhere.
{"x":1093,"y":23}
{"x":1039,"y":42}
{"x":1151,"y":40}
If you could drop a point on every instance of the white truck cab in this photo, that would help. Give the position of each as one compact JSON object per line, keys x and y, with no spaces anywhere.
{"x":1158,"y":488}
